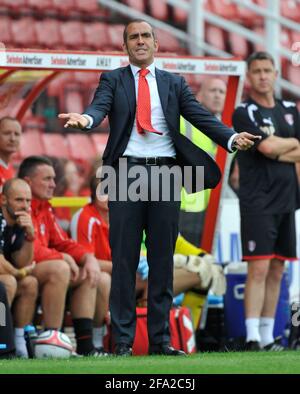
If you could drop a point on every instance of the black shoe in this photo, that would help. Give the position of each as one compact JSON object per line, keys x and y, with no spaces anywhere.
{"x":273,"y":347}
{"x":252,"y":346}
{"x":165,"y":350}
{"x":96,"y":353}
{"x":123,"y":349}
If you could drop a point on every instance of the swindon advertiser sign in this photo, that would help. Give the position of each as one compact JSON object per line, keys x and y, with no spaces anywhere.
{"x":97,"y":62}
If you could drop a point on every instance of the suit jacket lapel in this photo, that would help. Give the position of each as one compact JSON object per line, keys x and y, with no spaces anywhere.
{"x":129,"y":87}
{"x":163,"y":88}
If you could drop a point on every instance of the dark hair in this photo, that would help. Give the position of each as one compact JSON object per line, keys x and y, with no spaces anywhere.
{"x":29,"y":165}
{"x":135,"y":21}
{"x":261,"y":55}
{"x":8,"y":118}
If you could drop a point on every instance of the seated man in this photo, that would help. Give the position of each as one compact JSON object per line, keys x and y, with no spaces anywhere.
{"x":16,"y":250}
{"x":59,"y":260}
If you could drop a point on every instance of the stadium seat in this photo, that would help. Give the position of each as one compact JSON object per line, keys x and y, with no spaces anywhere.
{"x":224,"y":8}
{"x":96,"y":36}
{"x":33,"y":122}
{"x":180,"y":16}
{"x":248,"y":17}
{"x":159,"y":9}
{"x":48,"y":34}
{"x":168,"y":43}
{"x":99,"y":140}
{"x":65,"y":8}
{"x":73,"y":100}
{"x":138,"y":5}
{"x":238,"y":45}
{"x":115,"y":36}
{"x":56,"y":86}
{"x":72,"y":34}
{"x":290,"y":9}
{"x":81,"y":147}
{"x":90,"y":8}
{"x":41,"y":7}
{"x":31,"y":144}
{"x":55,"y":145}
{"x":260,"y":31}
{"x":14,"y":7}
{"x":5,"y":31}
{"x":215,"y":36}
{"x":23,"y":33}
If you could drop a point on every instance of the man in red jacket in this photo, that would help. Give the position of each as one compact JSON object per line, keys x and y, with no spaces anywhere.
{"x":60,"y":260}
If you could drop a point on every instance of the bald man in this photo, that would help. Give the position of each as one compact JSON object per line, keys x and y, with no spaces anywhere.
{"x":212,"y":95}
{"x":10,"y":138}
{"x":16,"y":254}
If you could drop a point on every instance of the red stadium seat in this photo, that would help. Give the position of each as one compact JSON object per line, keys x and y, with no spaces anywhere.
{"x":138,"y":5}
{"x":96,"y":36}
{"x":215,"y":37}
{"x":23,"y":33}
{"x":73,"y":100}
{"x":5,"y":31}
{"x":56,"y":87}
{"x":33,"y":122}
{"x":99,"y":140}
{"x":248,"y":17}
{"x":115,"y":34}
{"x":159,"y":9}
{"x":238,"y":45}
{"x":180,"y":16}
{"x":56,"y":145}
{"x":290,"y":9}
{"x":91,"y":8}
{"x":224,"y":8}
{"x":81,"y":147}
{"x":13,"y":6}
{"x":31,"y":144}
{"x":168,"y":43}
{"x":44,"y":7}
{"x":65,"y":7}
{"x":72,"y":34}
{"x":48,"y":34}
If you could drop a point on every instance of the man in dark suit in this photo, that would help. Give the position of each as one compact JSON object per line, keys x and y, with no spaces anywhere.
{"x":144,"y":105}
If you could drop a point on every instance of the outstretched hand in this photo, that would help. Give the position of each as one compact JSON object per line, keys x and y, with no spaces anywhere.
{"x":244,"y":140}
{"x":74,"y":120}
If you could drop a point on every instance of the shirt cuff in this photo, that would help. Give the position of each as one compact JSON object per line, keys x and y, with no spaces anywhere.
{"x":230,"y":142}
{"x":90,"y":119}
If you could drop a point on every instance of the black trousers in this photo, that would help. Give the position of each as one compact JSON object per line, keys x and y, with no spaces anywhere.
{"x":128,"y":219}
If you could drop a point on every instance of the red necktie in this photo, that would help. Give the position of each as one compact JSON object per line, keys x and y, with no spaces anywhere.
{"x":143,"y":112}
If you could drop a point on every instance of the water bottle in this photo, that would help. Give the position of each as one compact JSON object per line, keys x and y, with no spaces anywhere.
{"x":30,"y":335}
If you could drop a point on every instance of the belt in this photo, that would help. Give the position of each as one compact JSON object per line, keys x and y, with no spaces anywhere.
{"x":150,"y":161}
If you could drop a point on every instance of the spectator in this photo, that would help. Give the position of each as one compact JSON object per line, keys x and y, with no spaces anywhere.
{"x":269,"y":196}
{"x":16,"y":254}
{"x":60,"y":259}
{"x":10,"y":136}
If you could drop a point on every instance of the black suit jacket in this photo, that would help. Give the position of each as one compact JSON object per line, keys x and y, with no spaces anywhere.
{"x":115,"y":97}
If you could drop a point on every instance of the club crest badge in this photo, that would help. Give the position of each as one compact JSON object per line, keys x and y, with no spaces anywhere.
{"x":289,"y":119}
{"x":251,"y":246}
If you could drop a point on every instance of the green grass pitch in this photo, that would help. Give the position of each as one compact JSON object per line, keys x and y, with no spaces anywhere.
{"x":287,"y":362}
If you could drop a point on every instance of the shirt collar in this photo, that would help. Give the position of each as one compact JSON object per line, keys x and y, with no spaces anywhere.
{"x":136,"y":69}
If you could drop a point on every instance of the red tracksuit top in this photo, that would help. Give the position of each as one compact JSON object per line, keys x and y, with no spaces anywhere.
{"x":50,"y":240}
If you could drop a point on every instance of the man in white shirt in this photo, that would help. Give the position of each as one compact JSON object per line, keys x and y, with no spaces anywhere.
{"x":144,"y":105}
